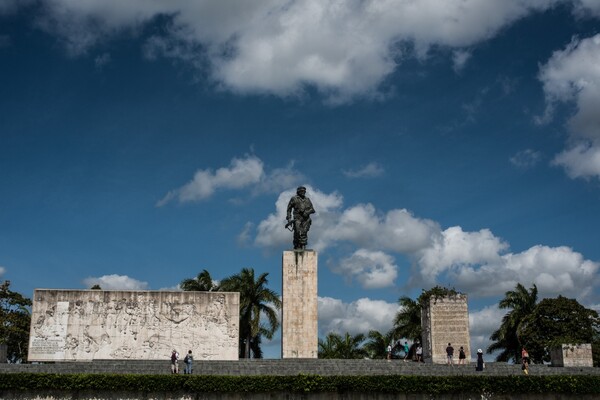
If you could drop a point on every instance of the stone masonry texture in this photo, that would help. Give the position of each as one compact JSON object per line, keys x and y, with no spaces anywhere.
{"x":299,"y":335}
{"x":445,"y":320}
{"x":85,"y":325}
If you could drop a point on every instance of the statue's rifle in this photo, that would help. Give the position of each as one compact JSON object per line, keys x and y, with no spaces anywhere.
{"x":290,"y":225}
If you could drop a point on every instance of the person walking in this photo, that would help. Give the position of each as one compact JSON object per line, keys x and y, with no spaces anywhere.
{"x":525,"y":361}
{"x":406,"y":350}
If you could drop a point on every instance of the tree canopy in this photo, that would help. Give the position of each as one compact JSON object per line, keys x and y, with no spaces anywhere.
{"x":555,"y":322}
{"x":347,"y":347}
{"x":15,"y":319}
{"x":256,"y":301}
{"x":521,"y":303}
{"x":201,"y":283}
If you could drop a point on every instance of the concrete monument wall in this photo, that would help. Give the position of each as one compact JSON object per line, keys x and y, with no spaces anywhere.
{"x":76,"y":325}
{"x":578,"y":355}
{"x":445,"y":320}
{"x":299,"y":333}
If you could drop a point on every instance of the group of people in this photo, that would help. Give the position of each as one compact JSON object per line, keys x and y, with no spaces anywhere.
{"x":480,"y":362}
{"x":450,"y":355}
{"x":418,"y":355}
{"x":187,"y":361}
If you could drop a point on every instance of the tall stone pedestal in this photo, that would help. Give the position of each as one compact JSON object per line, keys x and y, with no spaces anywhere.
{"x":299,"y":335}
{"x":445,"y":320}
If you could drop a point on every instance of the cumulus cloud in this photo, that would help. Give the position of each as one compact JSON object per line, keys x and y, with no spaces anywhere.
{"x":373,"y":269}
{"x":571,"y":76}
{"x":2,"y":270}
{"x":526,"y":159}
{"x":115,"y":282}
{"x":555,"y":270}
{"x":371,"y":170}
{"x":359,"y":316}
{"x":241,"y":173}
{"x":476,"y":262}
{"x":454,"y":247}
{"x":342,"y":49}
{"x":482,"y":324}
{"x":582,"y":160}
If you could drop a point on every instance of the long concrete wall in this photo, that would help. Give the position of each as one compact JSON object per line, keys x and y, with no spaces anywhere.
{"x":78,"y":325}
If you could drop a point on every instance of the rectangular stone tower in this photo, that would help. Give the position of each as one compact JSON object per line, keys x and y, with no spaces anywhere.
{"x":445,"y":320}
{"x":299,"y":335}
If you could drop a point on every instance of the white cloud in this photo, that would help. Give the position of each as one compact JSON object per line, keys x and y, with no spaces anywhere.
{"x":240,"y":174}
{"x":371,"y":170}
{"x":482,"y":324}
{"x":2,"y":270}
{"x":343,"y":49}
{"x":454,"y":247}
{"x":555,"y":270}
{"x":373,"y":269}
{"x":580,"y":161}
{"x":526,"y":159}
{"x":359,"y":316}
{"x":587,"y":8}
{"x":571,"y":76}
{"x":459,"y":59}
{"x":475,"y":262}
{"x":115,"y":282}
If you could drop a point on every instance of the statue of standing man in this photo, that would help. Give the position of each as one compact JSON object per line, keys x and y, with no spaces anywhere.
{"x":302,"y":207}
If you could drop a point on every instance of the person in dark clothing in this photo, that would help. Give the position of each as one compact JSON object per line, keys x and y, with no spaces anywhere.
{"x":450,"y":353}
{"x":480,"y":364}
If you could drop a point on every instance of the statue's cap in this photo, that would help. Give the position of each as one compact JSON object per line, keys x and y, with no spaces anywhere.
{"x":301,"y":188}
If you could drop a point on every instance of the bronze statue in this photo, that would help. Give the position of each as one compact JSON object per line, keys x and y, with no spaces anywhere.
{"x":300,"y":225}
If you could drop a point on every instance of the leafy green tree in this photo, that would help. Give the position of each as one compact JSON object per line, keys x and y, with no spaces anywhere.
{"x":256,"y":302}
{"x":346,"y":347}
{"x":521,"y":303}
{"x":555,"y":322}
{"x":407,"y":323}
{"x":201,"y":283}
{"x":96,"y":287}
{"x":15,"y":318}
{"x":377,"y":342}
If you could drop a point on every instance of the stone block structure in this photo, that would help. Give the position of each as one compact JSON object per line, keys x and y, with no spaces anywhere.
{"x":576,"y":355}
{"x":80,"y":325}
{"x":445,"y":320}
{"x":299,"y":333}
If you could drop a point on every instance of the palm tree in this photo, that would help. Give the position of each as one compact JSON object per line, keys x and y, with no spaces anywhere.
{"x":328,"y":347}
{"x":202,"y":283}
{"x":377,"y":343}
{"x":347,"y":346}
{"x":256,"y":301}
{"x":407,"y":323}
{"x":350,"y":346}
{"x":522,"y":303}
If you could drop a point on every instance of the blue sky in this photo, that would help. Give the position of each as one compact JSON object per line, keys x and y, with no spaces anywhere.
{"x":453,"y":143}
